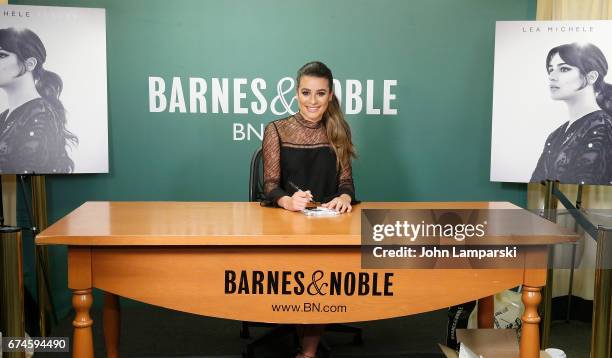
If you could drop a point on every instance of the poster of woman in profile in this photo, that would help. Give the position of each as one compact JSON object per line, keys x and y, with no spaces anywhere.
{"x":53,"y":115}
{"x":559,"y":129}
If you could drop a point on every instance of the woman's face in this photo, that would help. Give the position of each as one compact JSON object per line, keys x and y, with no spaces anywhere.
{"x":564,"y":80}
{"x":313,"y":96}
{"x":9,"y":67}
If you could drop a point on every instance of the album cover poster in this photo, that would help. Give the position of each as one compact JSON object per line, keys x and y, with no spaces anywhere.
{"x":53,"y":100}
{"x":552,"y":102}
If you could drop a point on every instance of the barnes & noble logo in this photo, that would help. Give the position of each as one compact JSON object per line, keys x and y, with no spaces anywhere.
{"x":242,"y":96}
{"x":319,"y":283}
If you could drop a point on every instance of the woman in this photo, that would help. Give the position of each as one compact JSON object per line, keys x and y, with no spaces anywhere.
{"x":312,"y":151}
{"x":580,"y":150}
{"x":33,"y":134}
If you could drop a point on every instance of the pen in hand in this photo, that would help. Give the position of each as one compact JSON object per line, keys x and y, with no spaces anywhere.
{"x":298,"y":189}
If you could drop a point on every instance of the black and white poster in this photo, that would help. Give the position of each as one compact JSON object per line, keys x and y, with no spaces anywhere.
{"x":552,"y":102}
{"x":53,"y":98}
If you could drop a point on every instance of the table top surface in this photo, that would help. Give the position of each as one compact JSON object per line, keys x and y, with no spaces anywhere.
{"x":246,"y":224}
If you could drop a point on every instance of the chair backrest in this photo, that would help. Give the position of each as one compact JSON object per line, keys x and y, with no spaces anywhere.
{"x":256,"y":190}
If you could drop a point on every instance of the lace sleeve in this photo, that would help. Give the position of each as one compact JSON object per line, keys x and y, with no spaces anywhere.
{"x":271,"y":164}
{"x":345,"y":182}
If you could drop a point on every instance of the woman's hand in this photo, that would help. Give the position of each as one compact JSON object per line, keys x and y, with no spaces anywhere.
{"x":296,"y":202}
{"x":341,"y":204}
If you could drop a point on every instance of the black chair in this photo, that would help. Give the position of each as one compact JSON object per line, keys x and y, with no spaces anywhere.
{"x":256,"y":194}
{"x":256,"y":190}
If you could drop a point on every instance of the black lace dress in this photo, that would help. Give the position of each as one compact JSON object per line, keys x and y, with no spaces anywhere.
{"x":298,"y":151}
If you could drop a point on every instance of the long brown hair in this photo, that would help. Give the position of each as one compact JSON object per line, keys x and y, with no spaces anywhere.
{"x":338,"y":130}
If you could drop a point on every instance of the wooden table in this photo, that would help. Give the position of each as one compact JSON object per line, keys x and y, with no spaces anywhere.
{"x":242,"y":261}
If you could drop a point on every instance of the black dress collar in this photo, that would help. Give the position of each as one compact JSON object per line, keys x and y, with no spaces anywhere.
{"x":308,"y":124}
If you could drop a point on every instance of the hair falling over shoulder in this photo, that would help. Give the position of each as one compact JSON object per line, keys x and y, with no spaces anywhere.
{"x":339,"y":134}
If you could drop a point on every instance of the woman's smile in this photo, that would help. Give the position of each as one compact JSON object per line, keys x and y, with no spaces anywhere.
{"x":313,"y":96}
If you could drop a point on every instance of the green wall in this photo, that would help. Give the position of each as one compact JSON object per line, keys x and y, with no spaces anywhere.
{"x":436,"y":148}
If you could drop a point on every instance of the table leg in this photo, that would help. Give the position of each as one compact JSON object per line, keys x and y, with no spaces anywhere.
{"x":112,"y":324}
{"x":530,"y":332}
{"x":485,"y":312}
{"x":82,"y":339}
